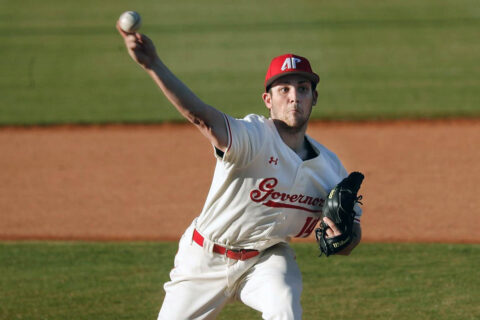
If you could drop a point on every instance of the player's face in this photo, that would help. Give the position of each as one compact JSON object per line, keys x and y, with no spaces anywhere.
{"x":290,"y":101}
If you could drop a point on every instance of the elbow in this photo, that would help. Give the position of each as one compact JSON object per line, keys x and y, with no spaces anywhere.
{"x":192,"y":117}
{"x":199,"y":122}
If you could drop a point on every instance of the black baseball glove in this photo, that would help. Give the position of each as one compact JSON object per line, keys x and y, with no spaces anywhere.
{"x":339,"y":208}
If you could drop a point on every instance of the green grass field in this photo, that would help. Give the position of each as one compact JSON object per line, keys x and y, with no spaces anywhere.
{"x":70,"y":280}
{"x":62,"y":61}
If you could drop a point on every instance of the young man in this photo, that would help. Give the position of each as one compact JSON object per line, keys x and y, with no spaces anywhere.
{"x":269,"y":185}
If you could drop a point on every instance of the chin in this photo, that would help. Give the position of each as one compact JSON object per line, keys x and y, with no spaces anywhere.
{"x":296,"y":126}
{"x":297,"y":122}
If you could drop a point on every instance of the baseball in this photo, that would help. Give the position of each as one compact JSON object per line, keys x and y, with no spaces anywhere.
{"x":130,"y":21}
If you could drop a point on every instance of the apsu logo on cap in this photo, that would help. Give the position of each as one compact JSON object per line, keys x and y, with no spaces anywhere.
{"x":290,"y":63}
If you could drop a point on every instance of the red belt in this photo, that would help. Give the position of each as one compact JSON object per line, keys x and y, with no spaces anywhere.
{"x":232,"y":254}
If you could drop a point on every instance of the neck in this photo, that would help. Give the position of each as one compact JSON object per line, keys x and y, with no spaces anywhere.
{"x":295,"y":139}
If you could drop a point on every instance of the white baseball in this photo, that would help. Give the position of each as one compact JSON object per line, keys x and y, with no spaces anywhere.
{"x":130,"y":21}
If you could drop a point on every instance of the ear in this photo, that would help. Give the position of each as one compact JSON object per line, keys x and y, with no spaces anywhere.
{"x":315,"y":97}
{"x":267,"y":99}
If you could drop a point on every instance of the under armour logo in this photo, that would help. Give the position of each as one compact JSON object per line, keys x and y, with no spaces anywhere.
{"x":290,"y":63}
{"x":273,"y":160}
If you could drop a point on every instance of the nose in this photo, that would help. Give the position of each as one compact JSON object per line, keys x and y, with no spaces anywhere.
{"x":294,"y":94}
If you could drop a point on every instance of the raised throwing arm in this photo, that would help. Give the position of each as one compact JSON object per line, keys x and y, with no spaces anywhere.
{"x":208,"y":120}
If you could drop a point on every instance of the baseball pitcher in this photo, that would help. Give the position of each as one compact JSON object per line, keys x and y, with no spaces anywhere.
{"x":271,"y":184}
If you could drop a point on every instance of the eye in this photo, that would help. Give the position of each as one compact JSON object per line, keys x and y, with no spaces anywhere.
{"x":302,"y":89}
{"x":284,"y":89}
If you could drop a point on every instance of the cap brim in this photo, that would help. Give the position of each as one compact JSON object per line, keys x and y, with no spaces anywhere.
{"x":310,"y":76}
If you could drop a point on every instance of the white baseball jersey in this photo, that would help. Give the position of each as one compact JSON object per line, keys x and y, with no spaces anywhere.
{"x":262,"y":193}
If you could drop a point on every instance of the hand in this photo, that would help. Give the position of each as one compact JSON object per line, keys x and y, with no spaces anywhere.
{"x":332,"y":230}
{"x":140,"y":48}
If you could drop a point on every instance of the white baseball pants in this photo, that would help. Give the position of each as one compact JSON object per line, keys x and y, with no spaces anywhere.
{"x":202,"y":282}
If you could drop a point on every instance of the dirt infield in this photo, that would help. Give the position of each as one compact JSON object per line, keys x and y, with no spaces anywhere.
{"x":149,"y":182}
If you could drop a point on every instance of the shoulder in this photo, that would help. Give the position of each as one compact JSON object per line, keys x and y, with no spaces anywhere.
{"x":255,"y":119}
{"x":250,"y":118}
{"x":250,"y":124}
{"x":246,"y":137}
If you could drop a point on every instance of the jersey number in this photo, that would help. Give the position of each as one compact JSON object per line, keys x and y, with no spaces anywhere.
{"x":307,"y":228}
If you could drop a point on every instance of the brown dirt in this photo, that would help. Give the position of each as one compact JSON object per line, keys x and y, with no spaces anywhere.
{"x":149,"y":182}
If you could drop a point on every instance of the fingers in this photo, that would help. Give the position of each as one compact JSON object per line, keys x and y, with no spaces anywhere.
{"x":133,"y":41}
{"x":332,"y":230}
{"x":127,"y":36}
{"x":122,"y":33}
{"x":133,"y":36}
{"x":329,"y":233}
{"x":139,"y":47}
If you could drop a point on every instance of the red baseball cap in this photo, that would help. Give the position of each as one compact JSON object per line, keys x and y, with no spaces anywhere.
{"x":289,"y":64}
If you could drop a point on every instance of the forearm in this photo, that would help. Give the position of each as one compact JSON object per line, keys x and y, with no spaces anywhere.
{"x":182,"y":98}
{"x":209,"y":120}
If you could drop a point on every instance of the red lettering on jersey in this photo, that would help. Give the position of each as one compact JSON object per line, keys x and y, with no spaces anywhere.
{"x":307,"y":228}
{"x":266,"y":186}
{"x":285,"y":197}
{"x":274,"y":204}
{"x":266,"y":192}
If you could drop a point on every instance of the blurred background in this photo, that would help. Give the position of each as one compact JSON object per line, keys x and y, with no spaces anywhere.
{"x":62,"y":61}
